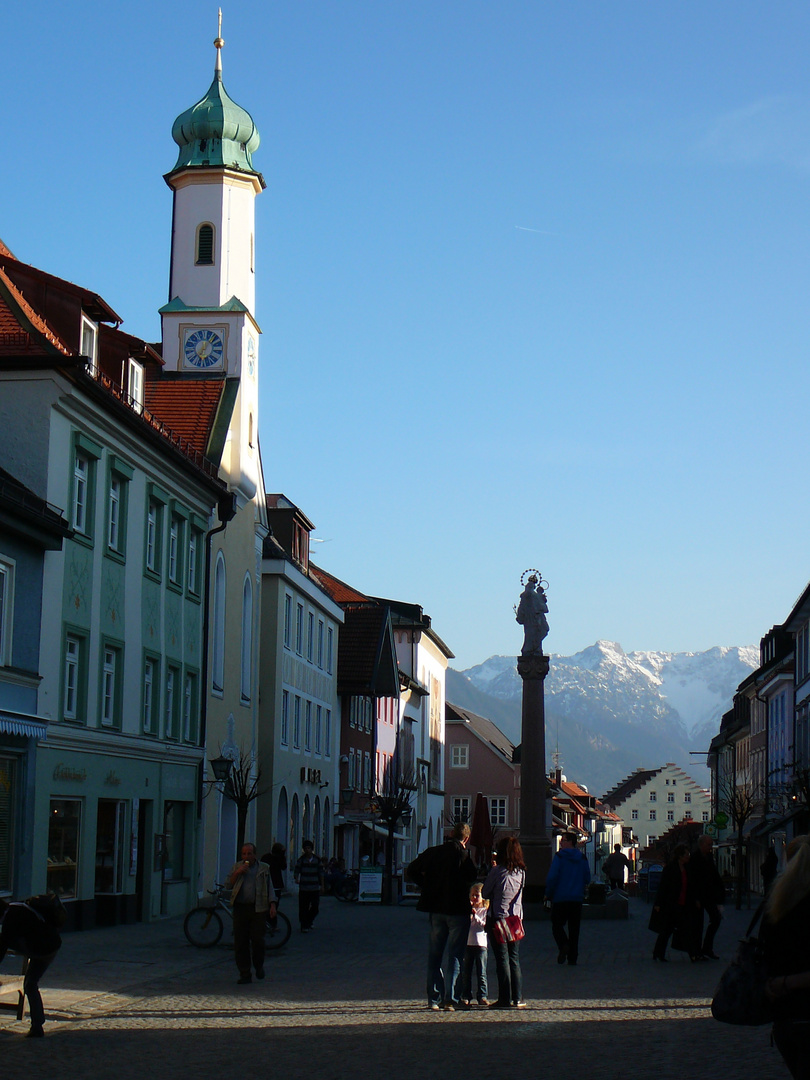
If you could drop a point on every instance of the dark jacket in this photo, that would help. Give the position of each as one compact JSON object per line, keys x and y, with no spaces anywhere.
{"x":786,"y":946}
{"x":23,"y":931}
{"x":568,"y":877}
{"x":666,"y":899}
{"x":444,"y":875}
{"x":705,"y":880}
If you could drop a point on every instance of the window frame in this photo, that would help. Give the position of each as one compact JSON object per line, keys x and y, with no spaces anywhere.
{"x":459,"y":756}
{"x":121,"y":472}
{"x":8,"y":571}
{"x":150,"y":688}
{"x":111,"y":681}
{"x":79,"y":713}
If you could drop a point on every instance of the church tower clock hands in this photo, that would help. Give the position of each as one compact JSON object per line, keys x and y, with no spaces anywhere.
{"x":209,"y":325}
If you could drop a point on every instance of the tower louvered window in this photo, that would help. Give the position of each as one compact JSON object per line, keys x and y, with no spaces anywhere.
{"x":205,"y":245}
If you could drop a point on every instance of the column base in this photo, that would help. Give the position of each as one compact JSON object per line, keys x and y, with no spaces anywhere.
{"x":537,"y":856}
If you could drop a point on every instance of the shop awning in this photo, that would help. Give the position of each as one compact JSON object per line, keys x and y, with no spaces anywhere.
{"x":31,"y":727}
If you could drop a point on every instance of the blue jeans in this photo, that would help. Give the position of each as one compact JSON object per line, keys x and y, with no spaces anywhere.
{"x":507,"y":965}
{"x":450,"y":932}
{"x":475,"y":959}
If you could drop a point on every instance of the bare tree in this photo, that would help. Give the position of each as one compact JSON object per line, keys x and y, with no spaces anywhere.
{"x":242,"y":787}
{"x":741,"y":802}
{"x":393,"y":805}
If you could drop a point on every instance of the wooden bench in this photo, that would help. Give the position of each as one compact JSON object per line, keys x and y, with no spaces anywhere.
{"x":11,"y":991}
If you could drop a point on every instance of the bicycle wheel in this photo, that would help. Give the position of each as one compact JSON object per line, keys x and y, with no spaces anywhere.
{"x":346,"y":890}
{"x":278,"y":935}
{"x":203,"y":927}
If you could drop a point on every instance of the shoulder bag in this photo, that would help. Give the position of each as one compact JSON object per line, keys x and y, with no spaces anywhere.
{"x":740,"y":996}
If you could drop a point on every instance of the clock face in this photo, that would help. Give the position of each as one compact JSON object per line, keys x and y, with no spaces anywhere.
{"x":203,"y":348}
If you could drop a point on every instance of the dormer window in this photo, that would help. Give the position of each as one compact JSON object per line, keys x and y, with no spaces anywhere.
{"x":89,"y":339}
{"x":205,"y":245}
{"x":135,"y":384}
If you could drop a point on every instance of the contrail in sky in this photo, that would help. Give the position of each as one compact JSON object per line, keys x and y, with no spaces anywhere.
{"x":525,"y":228}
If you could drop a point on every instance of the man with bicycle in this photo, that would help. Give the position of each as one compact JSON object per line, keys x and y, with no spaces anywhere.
{"x":252,"y":897}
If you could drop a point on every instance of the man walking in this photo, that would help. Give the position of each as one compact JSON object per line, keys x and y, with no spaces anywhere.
{"x":26,"y":931}
{"x":444,"y":874}
{"x":252,"y":898}
{"x":615,"y":865}
{"x":565,"y":888}
{"x":710,"y":893}
{"x":309,"y":875}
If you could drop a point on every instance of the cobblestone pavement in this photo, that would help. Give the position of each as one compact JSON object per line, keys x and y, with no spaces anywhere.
{"x":349,"y":997}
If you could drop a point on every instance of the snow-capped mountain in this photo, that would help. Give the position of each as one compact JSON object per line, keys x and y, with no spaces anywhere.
{"x":609,"y":711}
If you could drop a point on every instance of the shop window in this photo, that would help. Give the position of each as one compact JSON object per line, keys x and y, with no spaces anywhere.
{"x":8,"y":797}
{"x":174,"y":831}
{"x":110,"y":846}
{"x":63,"y":847}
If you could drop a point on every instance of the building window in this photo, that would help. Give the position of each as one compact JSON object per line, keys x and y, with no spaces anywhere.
{"x":497,"y":813}
{"x":459,"y":756}
{"x":218,"y":664}
{"x":81,"y":484}
{"x":111,"y":673}
{"x":172,"y":703}
{"x":297,"y":723}
{"x":175,"y":541}
{"x":320,"y":643}
{"x":705,"y":815}
{"x":670,"y":796}
{"x":460,"y":808}
{"x":110,"y":846}
{"x":190,"y":708}
{"x":634,"y":815}
{"x":670,"y":815}
{"x":327,"y":733}
{"x":299,"y":629}
{"x":118,"y":479}
{"x":287,"y":620}
{"x":193,"y":571}
{"x":653,"y":796}
{"x":318,"y":722}
{"x":6,"y":609}
{"x":150,"y":683}
{"x":350,"y":781}
{"x":63,"y":847}
{"x":687,"y":796}
{"x":89,"y":340}
{"x":247,"y":639}
{"x":366,"y":773}
{"x":135,"y":385}
{"x":308,"y":726}
{"x":285,"y":717}
{"x":153,"y":516}
{"x":75,"y":677}
{"x":310,"y":635}
{"x":652,"y":815}
{"x":205,"y":245}
{"x":329,"y":644}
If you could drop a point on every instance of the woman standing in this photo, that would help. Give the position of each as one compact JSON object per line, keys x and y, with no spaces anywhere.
{"x":785,"y":937}
{"x":674,"y":905}
{"x":504,"y":890}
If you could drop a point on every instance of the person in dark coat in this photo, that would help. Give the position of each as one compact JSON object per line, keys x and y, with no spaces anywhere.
{"x":768,"y":870}
{"x":25,"y":931}
{"x":710,"y":894}
{"x":444,"y":874}
{"x":674,"y":907}
{"x":785,"y":937}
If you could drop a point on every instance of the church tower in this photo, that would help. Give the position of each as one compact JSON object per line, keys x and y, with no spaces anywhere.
{"x":208,"y":325}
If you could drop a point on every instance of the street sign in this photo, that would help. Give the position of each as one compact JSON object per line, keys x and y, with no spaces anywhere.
{"x":369,"y":886}
{"x":721,"y":819}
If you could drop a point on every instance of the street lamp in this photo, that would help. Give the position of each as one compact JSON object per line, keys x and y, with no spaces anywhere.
{"x":221,"y":768}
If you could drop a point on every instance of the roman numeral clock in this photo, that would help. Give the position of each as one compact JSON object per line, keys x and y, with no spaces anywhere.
{"x":204,"y":347}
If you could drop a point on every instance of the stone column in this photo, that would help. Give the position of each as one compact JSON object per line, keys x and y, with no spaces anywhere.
{"x":534,"y":838}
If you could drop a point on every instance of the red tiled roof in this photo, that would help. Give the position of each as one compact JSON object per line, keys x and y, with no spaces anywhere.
{"x":187,"y":406}
{"x":339,"y":591}
{"x":23,"y":332}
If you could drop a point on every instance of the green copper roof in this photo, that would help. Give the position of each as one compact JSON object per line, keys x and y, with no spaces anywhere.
{"x":215,"y":132}
{"x":234,"y":304}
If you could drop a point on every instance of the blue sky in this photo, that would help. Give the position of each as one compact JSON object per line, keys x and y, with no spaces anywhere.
{"x":532,"y":279}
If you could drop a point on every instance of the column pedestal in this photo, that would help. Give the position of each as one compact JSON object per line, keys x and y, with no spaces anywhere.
{"x":534,"y":837}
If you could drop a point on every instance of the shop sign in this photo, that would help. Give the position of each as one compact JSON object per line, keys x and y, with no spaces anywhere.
{"x":112,"y":778}
{"x":67,"y":772}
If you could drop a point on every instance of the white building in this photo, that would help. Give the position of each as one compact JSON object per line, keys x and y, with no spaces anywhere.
{"x":652,"y":801}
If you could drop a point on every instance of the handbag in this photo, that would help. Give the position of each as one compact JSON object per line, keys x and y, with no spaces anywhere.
{"x":740,"y":996}
{"x":509,"y":928}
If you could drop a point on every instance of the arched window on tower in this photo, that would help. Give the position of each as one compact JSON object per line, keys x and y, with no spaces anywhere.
{"x":247,"y":638}
{"x":218,"y":665}
{"x":205,"y":245}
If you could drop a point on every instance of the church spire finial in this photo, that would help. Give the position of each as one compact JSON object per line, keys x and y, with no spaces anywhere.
{"x":218,"y":43}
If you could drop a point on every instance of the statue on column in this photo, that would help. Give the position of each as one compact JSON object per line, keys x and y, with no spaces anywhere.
{"x":531,"y":614}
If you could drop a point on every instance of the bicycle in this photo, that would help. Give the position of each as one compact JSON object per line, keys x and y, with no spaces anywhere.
{"x":203,"y":925}
{"x":348,"y":888}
